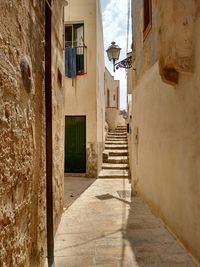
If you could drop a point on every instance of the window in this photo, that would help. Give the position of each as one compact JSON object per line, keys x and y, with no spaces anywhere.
{"x":147,"y":8}
{"x":108,"y":98}
{"x":59,"y":78}
{"x":128,"y":128}
{"x":114,"y":97}
{"x":74,"y":50}
{"x":117,"y":97}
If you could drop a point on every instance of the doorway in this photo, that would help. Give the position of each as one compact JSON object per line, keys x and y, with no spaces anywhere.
{"x":75,"y":144}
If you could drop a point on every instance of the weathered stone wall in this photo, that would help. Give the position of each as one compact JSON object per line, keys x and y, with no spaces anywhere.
{"x":91,"y":160}
{"x":22,"y":147}
{"x":22,"y":130}
{"x":58,"y":108}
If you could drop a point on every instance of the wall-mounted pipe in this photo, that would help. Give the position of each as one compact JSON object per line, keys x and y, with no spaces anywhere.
{"x":49,"y":137}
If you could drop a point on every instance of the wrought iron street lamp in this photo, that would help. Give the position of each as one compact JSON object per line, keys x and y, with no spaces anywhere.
{"x":113,"y":53}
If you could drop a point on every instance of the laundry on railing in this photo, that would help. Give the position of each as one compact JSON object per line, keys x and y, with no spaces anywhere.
{"x":70,"y":62}
{"x":74,"y":61}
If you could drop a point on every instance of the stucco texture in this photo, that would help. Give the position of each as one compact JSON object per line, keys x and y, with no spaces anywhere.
{"x":84,"y":95}
{"x":166,"y":162}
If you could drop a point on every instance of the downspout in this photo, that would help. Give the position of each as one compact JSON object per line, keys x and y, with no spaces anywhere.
{"x":49,"y":136}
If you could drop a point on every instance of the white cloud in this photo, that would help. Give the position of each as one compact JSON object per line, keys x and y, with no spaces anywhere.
{"x":115,"y":29}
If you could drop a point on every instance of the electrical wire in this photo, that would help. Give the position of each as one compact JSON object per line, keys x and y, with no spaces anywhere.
{"x":128,"y":25}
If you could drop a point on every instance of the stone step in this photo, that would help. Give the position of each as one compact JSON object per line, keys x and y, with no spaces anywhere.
{"x":115,"y":139}
{"x":116,"y":134}
{"x":115,"y":166}
{"x":114,"y":174}
{"x":120,"y":130}
{"x":120,"y":133}
{"x":115,"y":146}
{"x":117,"y":159}
{"x":121,"y":127}
{"x":116,"y":142}
{"x":116,"y":152}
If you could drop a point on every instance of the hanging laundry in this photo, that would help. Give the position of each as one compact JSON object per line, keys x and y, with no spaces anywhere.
{"x":80,"y":60}
{"x":70,"y":62}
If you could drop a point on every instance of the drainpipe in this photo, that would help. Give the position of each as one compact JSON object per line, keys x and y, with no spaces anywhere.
{"x":49,"y":137}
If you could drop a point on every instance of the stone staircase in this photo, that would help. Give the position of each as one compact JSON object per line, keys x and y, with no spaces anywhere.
{"x":115,"y":155}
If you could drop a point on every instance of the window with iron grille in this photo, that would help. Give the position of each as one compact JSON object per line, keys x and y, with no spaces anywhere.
{"x":74,"y":50}
{"x":147,"y":8}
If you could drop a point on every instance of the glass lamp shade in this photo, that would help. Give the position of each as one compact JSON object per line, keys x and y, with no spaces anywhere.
{"x":113,"y":51}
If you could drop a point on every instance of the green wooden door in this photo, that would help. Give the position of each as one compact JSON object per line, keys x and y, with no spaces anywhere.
{"x":75,"y":144}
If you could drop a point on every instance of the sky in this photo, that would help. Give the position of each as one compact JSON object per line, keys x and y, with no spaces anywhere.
{"x":115,"y":16}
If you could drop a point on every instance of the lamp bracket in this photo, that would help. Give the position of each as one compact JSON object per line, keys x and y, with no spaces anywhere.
{"x":125,"y":63}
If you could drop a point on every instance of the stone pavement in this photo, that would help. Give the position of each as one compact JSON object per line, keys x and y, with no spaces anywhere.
{"x":106,"y":227}
{"x":74,"y":187}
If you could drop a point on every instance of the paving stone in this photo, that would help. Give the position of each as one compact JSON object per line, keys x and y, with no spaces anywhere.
{"x":74,"y":186}
{"x":74,"y":261}
{"x":100,"y":228}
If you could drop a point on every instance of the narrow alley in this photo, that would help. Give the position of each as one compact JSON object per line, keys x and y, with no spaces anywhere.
{"x":107,"y":224}
{"x":108,"y":227}
{"x":99,"y":133}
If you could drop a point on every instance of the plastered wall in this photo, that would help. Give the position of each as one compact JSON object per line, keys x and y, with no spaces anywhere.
{"x":167,"y":118}
{"x":146,"y":50}
{"x":111,"y":89}
{"x":100,"y":85}
{"x":83,"y":94}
